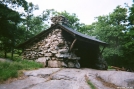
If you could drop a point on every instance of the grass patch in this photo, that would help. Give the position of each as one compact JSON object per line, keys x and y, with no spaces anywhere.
{"x":91,"y":85}
{"x":109,"y":67}
{"x":8,"y":56}
{"x":10,"y":69}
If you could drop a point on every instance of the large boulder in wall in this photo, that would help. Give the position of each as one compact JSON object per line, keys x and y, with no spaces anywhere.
{"x":54,"y":64}
{"x":41,"y":60}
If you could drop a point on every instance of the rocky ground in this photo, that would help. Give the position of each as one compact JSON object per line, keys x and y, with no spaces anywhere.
{"x":69,"y":78}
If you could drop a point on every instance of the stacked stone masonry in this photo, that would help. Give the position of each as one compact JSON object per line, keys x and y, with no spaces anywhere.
{"x":53,"y":51}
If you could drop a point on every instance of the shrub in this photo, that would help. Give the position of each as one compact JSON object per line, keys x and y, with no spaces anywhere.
{"x":10,"y":69}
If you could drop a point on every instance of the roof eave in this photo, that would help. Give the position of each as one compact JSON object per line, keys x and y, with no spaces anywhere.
{"x":82,"y":38}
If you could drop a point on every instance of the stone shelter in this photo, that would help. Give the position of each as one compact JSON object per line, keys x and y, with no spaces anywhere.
{"x":61,"y":46}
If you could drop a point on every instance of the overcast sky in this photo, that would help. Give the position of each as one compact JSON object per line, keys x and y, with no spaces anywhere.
{"x":86,"y":10}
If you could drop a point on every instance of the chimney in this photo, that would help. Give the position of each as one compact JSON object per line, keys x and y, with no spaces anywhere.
{"x":59,"y":20}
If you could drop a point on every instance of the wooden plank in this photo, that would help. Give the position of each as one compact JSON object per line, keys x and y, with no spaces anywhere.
{"x":72,"y":44}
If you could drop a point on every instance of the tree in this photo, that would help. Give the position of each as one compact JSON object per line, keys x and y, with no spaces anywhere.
{"x":37,"y":25}
{"x":28,"y":15}
{"x":73,"y":19}
{"x":87,"y":29}
{"x":34,"y":24}
{"x":15,"y":4}
{"x":9,"y":20}
{"x":111,"y":29}
{"x":129,"y":39}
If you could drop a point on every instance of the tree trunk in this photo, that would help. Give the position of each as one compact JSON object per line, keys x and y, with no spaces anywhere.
{"x":12,"y":52}
{"x":5,"y":54}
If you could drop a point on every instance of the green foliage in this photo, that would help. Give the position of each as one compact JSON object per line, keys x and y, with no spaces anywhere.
{"x":6,"y":72}
{"x":109,"y":67}
{"x":9,"y":32}
{"x":87,"y":29}
{"x":117,"y":30}
{"x":15,"y":3}
{"x":8,"y":20}
{"x":111,"y":29}
{"x":15,"y":28}
{"x":10,"y":69}
{"x":28,"y":23}
{"x":73,"y":19}
{"x":91,"y":85}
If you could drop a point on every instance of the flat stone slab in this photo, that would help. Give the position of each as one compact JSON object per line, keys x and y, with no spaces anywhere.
{"x":55,"y":84}
{"x":41,"y":71}
{"x":75,"y":76}
{"x":65,"y":79}
{"x":21,"y":84}
{"x":69,"y":78}
{"x":119,"y":78}
{"x":35,"y":77}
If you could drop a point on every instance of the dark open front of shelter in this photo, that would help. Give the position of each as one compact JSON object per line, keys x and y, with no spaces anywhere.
{"x":61,"y":46}
{"x":88,"y":54}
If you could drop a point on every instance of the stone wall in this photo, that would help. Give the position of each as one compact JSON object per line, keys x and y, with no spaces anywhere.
{"x":53,"y":51}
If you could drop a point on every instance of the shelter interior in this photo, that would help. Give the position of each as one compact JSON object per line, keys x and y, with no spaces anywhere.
{"x":87,"y":52}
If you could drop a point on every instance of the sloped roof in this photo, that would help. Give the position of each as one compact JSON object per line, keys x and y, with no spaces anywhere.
{"x":84,"y":36}
{"x":76,"y":34}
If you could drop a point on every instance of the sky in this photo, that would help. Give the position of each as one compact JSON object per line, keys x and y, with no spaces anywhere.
{"x":86,"y":10}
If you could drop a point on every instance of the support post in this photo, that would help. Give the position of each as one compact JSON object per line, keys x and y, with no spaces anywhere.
{"x":72,"y":44}
{"x":102,"y":50}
